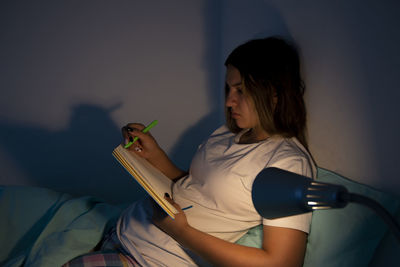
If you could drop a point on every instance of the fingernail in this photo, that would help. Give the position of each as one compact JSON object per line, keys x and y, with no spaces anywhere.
{"x":138,"y":149}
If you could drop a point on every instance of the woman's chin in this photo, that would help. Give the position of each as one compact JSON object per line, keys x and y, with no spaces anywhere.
{"x":241,"y":124}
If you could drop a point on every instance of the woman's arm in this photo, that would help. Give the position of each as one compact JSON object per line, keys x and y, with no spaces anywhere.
{"x":148,"y":148}
{"x":282,"y":247}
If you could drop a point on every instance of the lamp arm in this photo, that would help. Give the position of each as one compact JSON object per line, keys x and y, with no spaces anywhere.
{"x":378,"y":208}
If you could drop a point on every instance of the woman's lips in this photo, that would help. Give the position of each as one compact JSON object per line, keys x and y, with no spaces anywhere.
{"x":235,"y":115}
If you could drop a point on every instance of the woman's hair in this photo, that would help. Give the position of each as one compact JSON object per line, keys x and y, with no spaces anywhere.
{"x":269,"y":68}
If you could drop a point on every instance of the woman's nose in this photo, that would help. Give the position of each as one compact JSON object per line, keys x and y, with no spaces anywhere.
{"x":230,"y":99}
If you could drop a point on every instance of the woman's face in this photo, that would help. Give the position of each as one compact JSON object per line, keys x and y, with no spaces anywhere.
{"x":241,"y":105}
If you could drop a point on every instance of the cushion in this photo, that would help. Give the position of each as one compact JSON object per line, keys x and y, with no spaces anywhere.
{"x":341,"y":237}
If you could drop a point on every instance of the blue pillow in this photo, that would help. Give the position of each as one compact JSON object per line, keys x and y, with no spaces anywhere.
{"x":253,"y":238}
{"x":344,"y":237}
{"x":347,"y":237}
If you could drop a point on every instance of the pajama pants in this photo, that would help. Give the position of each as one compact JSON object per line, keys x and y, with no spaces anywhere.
{"x":110,"y":253}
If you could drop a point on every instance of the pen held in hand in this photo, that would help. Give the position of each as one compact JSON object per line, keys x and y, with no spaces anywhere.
{"x":145,"y":130}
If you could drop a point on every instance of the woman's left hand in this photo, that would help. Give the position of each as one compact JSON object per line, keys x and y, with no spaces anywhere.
{"x":173,"y":228}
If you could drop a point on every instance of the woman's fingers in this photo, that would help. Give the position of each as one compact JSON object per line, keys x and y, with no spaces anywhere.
{"x":133,"y":131}
{"x":141,"y":143}
{"x":137,"y":126}
{"x":173,"y":203}
{"x":132,"y":126}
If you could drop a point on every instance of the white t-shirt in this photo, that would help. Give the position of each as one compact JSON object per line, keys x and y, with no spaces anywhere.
{"x":218,"y":187}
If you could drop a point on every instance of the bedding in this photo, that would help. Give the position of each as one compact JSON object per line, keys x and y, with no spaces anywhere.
{"x":41,"y":227}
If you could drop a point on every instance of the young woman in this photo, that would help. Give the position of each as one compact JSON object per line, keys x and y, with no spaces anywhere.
{"x":265,"y":127}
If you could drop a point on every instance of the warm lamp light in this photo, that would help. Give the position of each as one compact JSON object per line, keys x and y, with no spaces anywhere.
{"x":279,"y":193}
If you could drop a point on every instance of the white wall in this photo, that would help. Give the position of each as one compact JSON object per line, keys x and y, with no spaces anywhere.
{"x":74,"y":72}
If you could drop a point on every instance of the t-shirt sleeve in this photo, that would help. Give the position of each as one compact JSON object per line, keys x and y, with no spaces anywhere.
{"x":301,"y":165}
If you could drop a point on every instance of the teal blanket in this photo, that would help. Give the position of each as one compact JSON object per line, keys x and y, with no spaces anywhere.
{"x":41,"y":227}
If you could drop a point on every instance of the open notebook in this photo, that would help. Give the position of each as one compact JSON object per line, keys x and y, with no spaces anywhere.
{"x":151,"y":179}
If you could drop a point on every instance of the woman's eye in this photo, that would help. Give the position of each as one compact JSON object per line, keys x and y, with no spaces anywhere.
{"x":239,"y":90}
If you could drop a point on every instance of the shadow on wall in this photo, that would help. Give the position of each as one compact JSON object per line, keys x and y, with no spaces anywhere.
{"x":76,"y":160}
{"x":185,"y":147}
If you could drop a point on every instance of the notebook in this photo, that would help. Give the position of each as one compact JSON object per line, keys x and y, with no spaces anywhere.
{"x":154,"y":182}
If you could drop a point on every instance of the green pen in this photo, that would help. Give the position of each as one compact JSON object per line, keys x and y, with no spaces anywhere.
{"x":145,"y":130}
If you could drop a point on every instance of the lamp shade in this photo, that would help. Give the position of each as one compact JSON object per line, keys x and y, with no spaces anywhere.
{"x":280,"y":193}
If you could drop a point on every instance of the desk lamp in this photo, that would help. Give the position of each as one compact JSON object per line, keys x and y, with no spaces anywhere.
{"x":280,"y":193}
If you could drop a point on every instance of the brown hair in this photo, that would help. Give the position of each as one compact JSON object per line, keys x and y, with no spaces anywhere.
{"x":269,"y":68}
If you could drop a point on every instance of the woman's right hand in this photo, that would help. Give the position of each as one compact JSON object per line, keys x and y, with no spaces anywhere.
{"x":146,"y":146}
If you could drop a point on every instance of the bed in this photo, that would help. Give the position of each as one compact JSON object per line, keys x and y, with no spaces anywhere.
{"x":41,"y":227}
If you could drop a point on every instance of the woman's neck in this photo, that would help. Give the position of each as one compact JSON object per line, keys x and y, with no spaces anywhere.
{"x":253,"y":136}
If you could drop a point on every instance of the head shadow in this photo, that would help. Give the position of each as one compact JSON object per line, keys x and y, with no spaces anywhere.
{"x":266,"y":20}
{"x":76,"y":160}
